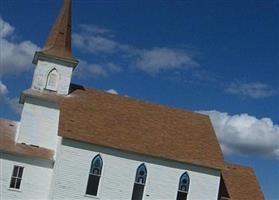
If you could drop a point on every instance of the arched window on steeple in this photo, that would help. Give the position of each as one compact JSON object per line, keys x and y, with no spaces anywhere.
{"x":140,"y":181}
{"x":183,"y":187}
{"x":52,"y":80}
{"x":94,"y":175}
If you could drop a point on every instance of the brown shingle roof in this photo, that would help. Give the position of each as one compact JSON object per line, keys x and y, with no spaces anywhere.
{"x":8,"y":144}
{"x":131,"y":125}
{"x":127,"y":124}
{"x":58,"y":44}
{"x":241,"y":183}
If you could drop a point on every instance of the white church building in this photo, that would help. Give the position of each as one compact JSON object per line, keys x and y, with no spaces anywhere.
{"x":73,"y":142}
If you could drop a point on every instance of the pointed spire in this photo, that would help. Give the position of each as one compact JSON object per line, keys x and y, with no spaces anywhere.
{"x":58,"y":44}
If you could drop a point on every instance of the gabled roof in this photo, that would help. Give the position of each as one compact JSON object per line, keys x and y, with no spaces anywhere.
{"x":7,"y":143}
{"x":132,"y":125}
{"x":128,"y":124}
{"x":241,"y":183}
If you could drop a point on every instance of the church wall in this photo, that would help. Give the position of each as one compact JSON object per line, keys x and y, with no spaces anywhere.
{"x":117,"y":179}
{"x":39,"y":123}
{"x":35,"y":180}
{"x":41,"y":73}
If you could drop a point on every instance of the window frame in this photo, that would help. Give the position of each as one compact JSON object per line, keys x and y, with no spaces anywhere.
{"x":48,"y":86}
{"x":16,"y":177}
{"x":179,"y":185}
{"x":136,"y":183}
{"x":92,"y":174}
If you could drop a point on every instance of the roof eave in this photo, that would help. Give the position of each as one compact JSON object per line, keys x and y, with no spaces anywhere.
{"x":39,"y":55}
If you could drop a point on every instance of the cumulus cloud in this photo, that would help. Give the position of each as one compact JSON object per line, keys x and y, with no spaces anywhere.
{"x":13,"y":103}
{"x":112,"y":91}
{"x":96,"y":40}
{"x":254,"y":90}
{"x":5,"y":28}
{"x":15,"y":57}
{"x":244,"y":134}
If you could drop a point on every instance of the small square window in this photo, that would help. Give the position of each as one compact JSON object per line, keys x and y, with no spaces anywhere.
{"x":16,"y":177}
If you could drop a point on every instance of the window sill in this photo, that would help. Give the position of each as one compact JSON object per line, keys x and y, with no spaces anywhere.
{"x":50,"y":90}
{"x":92,"y":196}
{"x":15,"y":190}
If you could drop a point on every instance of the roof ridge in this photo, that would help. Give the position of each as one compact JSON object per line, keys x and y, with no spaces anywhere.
{"x":146,"y":102}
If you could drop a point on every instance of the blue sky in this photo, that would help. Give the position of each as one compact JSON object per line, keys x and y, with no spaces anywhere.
{"x":216,"y":57}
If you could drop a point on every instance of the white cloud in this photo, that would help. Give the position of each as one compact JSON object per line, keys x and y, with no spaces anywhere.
{"x":94,"y":70}
{"x":13,"y":103}
{"x":86,"y":69}
{"x":3,"y":91}
{"x":254,"y":90}
{"x":3,"y":88}
{"x":15,"y":57}
{"x":94,"y":29}
{"x":160,"y":59}
{"x":112,"y":91}
{"x":95,"y":40}
{"x":94,"y":44}
{"x":245,"y":135}
{"x":5,"y":28}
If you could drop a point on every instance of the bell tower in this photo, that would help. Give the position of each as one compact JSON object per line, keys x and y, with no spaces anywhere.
{"x":55,"y":62}
{"x":52,"y":77}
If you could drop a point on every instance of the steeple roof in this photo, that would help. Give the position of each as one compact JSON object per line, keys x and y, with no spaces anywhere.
{"x":58,"y":44}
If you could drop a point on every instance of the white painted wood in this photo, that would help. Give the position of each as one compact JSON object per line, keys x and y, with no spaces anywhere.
{"x":52,"y":80}
{"x":42,"y":71}
{"x":68,"y":179}
{"x":73,"y":163}
{"x":39,"y":123}
{"x":36,"y":178}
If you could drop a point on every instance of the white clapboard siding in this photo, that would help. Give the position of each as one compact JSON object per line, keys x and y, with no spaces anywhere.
{"x":42,"y":70}
{"x":36,"y":178}
{"x":39,"y":123}
{"x":117,"y":180}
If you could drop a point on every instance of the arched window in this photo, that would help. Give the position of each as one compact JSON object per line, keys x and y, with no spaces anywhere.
{"x":94,"y":175}
{"x":183,"y":186}
{"x":52,"y":80}
{"x":140,"y":181}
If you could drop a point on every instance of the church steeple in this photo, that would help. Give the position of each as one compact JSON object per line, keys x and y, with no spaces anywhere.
{"x":58,"y":44}
{"x":52,"y":75}
{"x":55,"y":63}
